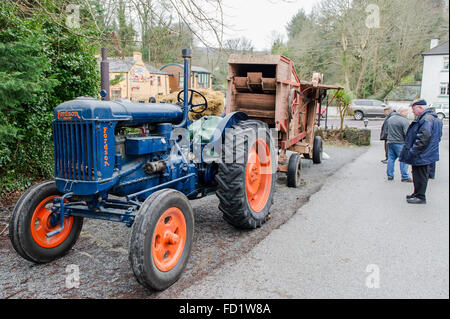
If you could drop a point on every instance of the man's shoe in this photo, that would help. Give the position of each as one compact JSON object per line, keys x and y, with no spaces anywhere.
{"x":415,"y":200}
{"x":410,"y":196}
{"x":384,"y":161}
{"x":390,"y":178}
{"x":407,"y":180}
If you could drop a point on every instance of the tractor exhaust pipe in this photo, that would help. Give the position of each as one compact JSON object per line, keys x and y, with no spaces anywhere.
{"x":104,"y":76}
{"x":187,"y":54}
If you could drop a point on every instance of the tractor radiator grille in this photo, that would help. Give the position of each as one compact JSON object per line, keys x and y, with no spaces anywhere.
{"x":75,"y":150}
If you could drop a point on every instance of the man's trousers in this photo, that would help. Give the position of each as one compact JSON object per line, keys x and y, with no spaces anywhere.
{"x":420,"y":178}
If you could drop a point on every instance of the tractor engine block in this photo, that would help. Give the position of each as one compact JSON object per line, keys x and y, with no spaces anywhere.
{"x":94,"y":156}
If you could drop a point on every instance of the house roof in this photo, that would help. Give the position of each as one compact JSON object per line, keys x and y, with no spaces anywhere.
{"x":154,"y":70}
{"x":441,"y":49}
{"x":119,"y":65}
{"x":196,"y":69}
{"x":404,"y":92}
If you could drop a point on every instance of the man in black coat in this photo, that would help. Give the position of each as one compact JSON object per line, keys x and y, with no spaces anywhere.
{"x":421,"y":148}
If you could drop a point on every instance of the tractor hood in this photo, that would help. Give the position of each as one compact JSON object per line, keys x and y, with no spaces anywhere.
{"x":90,"y":109}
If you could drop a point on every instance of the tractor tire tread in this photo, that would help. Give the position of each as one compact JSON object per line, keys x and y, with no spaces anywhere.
{"x":19,"y":220}
{"x":231,"y":186}
{"x":137,"y":251}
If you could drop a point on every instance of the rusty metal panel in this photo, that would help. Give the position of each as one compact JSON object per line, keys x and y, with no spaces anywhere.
{"x":241,"y":84}
{"x":269,"y":85}
{"x":257,"y":101}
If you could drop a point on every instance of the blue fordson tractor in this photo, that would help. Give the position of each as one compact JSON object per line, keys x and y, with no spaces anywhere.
{"x":105,"y":170}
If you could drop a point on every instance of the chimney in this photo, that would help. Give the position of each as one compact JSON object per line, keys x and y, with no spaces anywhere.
{"x":137,"y":56}
{"x":434,"y":43}
{"x":104,"y":75}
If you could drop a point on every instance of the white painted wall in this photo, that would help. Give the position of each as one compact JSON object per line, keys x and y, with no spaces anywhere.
{"x":433,"y":75}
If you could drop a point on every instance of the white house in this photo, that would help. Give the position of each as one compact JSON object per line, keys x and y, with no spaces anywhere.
{"x":435,"y":87}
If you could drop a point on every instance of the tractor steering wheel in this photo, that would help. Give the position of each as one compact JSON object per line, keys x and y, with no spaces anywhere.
{"x":191,"y":97}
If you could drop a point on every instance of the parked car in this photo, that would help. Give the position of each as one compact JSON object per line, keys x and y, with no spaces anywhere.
{"x":441,"y":110}
{"x":367,"y":108}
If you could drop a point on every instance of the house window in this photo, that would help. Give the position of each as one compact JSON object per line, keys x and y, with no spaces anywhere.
{"x":159,"y":81}
{"x":446,"y":63}
{"x":116,"y":94}
{"x":181,"y":81}
{"x":444,"y":89}
{"x":203,"y":80}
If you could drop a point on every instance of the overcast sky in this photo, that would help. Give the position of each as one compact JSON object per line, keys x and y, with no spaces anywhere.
{"x":257,"y":19}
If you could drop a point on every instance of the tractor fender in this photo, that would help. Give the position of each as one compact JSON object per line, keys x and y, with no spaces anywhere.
{"x":208,"y":133}
{"x":228,"y":121}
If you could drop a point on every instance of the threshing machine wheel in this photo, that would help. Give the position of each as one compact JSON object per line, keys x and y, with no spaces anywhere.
{"x":317,"y":150}
{"x":246,"y":185}
{"x":161,"y":239}
{"x":33,"y":219}
{"x":294,"y":171}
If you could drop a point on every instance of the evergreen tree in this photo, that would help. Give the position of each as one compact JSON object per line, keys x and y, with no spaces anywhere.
{"x":42,"y":64}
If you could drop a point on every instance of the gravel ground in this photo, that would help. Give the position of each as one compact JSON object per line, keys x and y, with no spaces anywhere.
{"x":101,"y":252}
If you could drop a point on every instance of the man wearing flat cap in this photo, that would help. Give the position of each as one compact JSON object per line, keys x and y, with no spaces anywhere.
{"x":421,"y":148}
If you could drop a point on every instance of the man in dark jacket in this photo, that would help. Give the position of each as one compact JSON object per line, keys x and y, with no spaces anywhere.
{"x":388,"y":112}
{"x":421,"y":148}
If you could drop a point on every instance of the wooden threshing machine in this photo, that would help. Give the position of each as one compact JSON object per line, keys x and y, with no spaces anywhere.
{"x":267,"y":88}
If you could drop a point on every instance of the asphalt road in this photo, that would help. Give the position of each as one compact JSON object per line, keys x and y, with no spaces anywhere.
{"x":356,"y":238}
{"x":101,"y":253}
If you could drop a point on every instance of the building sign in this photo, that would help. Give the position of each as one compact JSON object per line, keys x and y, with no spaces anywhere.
{"x":139,"y":75}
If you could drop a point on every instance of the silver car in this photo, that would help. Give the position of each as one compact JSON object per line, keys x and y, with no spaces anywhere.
{"x":367,"y":108}
{"x":441,"y":110}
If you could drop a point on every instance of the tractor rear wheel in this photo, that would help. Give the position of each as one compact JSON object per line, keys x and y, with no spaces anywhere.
{"x":246,"y":177}
{"x":32,"y":220}
{"x":161,"y":239}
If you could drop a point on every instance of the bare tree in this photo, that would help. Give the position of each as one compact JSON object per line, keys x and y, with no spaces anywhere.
{"x":239,"y":45}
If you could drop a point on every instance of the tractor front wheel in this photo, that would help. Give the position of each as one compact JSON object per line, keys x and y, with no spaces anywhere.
{"x":161,"y":239}
{"x":246,"y":177}
{"x":32,"y":220}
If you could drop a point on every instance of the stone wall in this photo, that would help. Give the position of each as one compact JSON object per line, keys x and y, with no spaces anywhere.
{"x":352,"y":135}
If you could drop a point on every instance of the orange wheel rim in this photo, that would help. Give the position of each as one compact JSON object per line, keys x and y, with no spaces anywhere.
{"x":169,"y":239}
{"x":41,"y":225}
{"x":258,"y":177}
